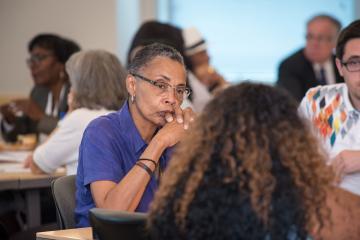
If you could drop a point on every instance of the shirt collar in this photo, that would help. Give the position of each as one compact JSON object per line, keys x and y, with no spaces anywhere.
{"x":129,"y":129}
{"x":326,"y":64}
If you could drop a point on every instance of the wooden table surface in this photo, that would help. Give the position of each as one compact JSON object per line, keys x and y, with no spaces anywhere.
{"x":26,"y":180}
{"x":68,"y":234}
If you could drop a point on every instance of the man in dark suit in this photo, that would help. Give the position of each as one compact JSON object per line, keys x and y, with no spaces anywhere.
{"x":315,"y":64}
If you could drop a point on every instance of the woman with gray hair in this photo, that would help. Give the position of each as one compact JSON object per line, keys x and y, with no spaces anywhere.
{"x":97,"y":88}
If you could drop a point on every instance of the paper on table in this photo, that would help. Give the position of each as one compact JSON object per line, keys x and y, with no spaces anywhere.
{"x":13,"y":167}
{"x":13,"y":156}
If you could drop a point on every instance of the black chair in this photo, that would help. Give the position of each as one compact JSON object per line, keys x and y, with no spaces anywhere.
{"x":114,"y":225}
{"x":63,"y":190}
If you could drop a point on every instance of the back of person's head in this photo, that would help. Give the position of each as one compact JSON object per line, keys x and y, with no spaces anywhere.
{"x":150,"y":52}
{"x":156,"y":32}
{"x":249,"y":169}
{"x":61,"y":47}
{"x":350,"y":32}
{"x":98,"y":79}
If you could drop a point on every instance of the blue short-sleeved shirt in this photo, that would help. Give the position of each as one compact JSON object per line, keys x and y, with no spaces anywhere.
{"x":109,"y":148}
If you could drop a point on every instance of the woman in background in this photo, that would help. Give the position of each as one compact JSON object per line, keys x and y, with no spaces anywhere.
{"x":97,"y":88}
{"x":250,"y":169}
{"x":48,"y":99}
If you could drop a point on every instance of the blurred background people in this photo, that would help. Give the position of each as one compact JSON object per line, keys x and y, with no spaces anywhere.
{"x":315,"y":64}
{"x":199,"y":60}
{"x":48,"y":98}
{"x":249,"y":171}
{"x":334,"y":111}
{"x":122,"y":155}
{"x":97,"y":87}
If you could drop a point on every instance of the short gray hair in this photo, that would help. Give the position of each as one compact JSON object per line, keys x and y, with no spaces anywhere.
{"x":330,"y":18}
{"x":98,"y":80}
{"x":149,"y":52}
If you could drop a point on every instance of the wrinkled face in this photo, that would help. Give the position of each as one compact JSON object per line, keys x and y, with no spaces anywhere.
{"x":351,"y":72}
{"x":153,"y":101}
{"x":45,"y":68}
{"x":320,"y":40}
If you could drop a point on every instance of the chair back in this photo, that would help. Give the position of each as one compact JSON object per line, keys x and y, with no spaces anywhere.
{"x":63,"y":191}
{"x":114,"y":225}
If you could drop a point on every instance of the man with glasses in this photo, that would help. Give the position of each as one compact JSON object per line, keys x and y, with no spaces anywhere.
{"x":315,"y":64}
{"x":335,"y":111}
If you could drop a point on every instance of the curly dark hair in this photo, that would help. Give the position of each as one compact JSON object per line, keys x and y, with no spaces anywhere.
{"x":249,"y":169}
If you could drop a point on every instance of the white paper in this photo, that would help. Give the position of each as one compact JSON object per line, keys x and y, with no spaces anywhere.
{"x":14,"y":156}
{"x":13,"y":168}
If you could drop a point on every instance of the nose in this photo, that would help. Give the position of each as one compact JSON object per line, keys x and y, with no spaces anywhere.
{"x":171,"y":96}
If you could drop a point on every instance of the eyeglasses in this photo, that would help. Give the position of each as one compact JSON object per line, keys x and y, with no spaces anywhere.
{"x":36,"y":59}
{"x":352,"y":65}
{"x":181,"y":92}
{"x":319,"y":38}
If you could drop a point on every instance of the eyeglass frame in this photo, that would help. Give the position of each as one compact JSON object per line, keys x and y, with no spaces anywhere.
{"x":346,"y":64}
{"x":187,"y":90}
{"x":36,"y":59}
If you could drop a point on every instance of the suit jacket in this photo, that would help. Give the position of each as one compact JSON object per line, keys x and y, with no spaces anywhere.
{"x":296,"y":74}
{"x":25,"y":125}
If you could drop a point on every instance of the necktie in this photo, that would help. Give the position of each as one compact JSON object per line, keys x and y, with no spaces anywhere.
{"x":322,"y":77}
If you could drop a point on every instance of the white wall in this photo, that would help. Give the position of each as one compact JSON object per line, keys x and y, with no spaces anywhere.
{"x":92,"y":23}
{"x":357,"y":9}
{"x":130,"y":15}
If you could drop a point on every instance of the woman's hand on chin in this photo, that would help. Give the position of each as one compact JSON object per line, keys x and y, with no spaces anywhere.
{"x":182,"y":116}
{"x":173,"y":131}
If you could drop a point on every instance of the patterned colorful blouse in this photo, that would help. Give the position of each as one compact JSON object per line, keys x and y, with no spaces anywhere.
{"x":336,"y":122}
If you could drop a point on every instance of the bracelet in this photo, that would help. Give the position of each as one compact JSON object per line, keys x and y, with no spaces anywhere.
{"x":146,"y":168}
{"x":148,"y":159}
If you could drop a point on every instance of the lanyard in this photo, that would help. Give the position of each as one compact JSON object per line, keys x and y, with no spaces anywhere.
{"x":49,"y":109}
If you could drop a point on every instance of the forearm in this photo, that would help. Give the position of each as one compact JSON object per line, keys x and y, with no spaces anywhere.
{"x":127,"y":194}
{"x":54,"y":152}
{"x":36,"y":169}
{"x":354,"y":157}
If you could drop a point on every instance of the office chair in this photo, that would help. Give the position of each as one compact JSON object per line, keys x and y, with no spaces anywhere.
{"x":114,"y":225}
{"x":63,"y":191}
